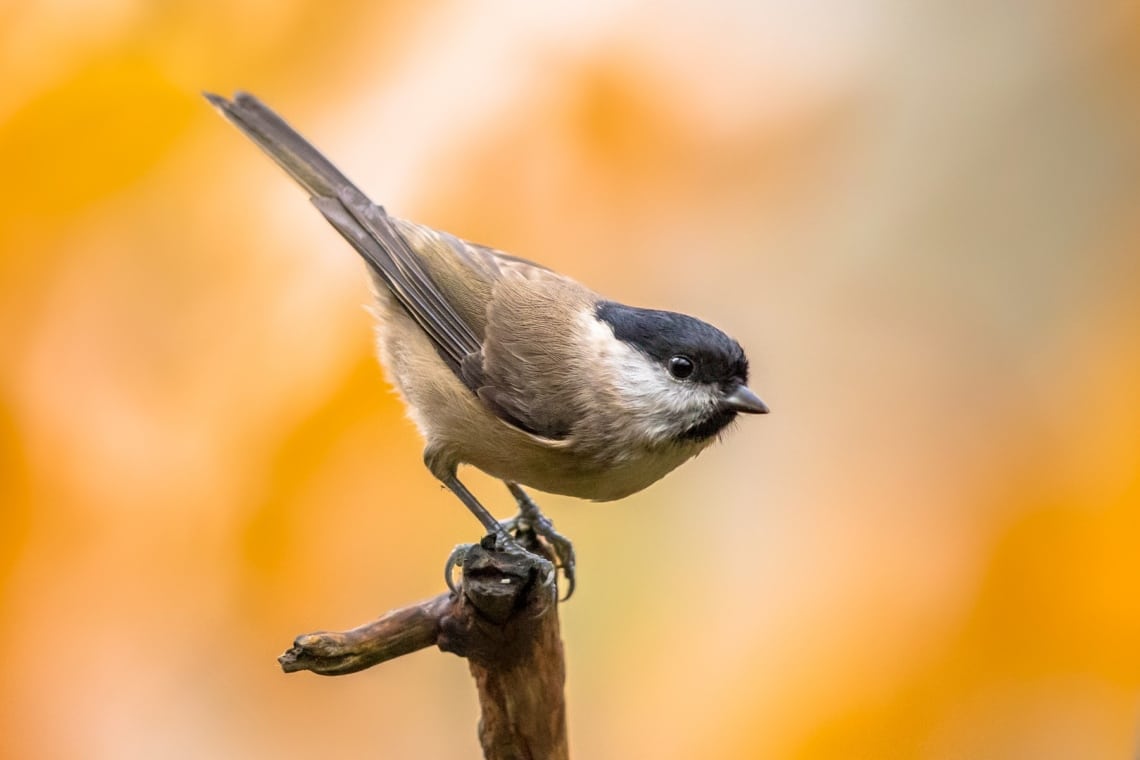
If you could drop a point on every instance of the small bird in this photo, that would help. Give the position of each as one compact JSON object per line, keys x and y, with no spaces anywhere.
{"x":517,"y":370}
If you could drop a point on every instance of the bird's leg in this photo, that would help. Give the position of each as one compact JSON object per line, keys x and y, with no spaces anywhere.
{"x":497,"y":534}
{"x":530,"y":517}
{"x":481,"y":514}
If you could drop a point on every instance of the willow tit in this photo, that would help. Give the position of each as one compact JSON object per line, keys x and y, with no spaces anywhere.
{"x":515,"y":369}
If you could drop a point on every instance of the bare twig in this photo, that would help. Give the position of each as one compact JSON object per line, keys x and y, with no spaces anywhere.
{"x":399,"y":632}
{"x":504,"y":621}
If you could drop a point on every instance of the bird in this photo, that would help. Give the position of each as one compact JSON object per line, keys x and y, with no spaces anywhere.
{"x":514,"y":369}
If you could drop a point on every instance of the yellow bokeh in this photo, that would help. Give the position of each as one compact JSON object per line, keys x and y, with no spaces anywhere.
{"x":921,"y":224}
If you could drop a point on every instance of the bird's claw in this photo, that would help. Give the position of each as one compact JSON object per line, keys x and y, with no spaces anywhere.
{"x":529,"y":520}
{"x":454,"y":560}
{"x":496,"y":542}
{"x":534,"y":521}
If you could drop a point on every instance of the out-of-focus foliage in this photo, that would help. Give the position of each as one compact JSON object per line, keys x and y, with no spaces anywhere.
{"x":920,"y":221}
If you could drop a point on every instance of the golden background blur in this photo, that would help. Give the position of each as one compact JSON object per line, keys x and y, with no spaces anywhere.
{"x":922,"y":223}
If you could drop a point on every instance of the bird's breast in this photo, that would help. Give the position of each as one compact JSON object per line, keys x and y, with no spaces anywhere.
{"x":564,"y":468}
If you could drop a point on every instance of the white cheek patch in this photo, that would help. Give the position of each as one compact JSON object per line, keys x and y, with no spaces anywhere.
{"x":658,"y":406}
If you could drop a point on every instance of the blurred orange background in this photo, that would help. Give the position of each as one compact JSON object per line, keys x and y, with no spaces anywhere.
{"x":921,"y":222}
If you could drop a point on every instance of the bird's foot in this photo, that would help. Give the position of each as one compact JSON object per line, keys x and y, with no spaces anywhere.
{"x":454,"y":560}
{"x":530,"y":519}
{"x":497,"y":542}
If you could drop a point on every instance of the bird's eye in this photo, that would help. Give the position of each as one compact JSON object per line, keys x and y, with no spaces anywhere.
{"x":680,"y":367}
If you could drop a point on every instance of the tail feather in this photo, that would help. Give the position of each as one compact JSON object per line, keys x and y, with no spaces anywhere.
{"x":282,"y":143}
{"x":362,"y":223}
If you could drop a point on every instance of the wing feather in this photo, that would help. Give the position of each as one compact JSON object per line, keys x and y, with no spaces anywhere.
{"x":365,"y":225}
{"x":494,"y":321}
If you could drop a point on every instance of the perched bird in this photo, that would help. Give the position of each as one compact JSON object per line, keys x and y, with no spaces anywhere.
{"x":515,"y":369}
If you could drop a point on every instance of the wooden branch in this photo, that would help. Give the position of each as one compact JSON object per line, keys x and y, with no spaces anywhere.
{"x":504,"y":621}
{"x":399,"y":632}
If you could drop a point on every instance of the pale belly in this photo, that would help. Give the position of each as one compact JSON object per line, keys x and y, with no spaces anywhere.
{"x":561,"y":471}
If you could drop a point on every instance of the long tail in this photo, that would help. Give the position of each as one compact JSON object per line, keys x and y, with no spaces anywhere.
{"x":362,"y":223}
{"x":283,"y":144}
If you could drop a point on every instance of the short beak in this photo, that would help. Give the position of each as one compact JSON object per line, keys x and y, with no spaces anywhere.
{"x":744,"y":400}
